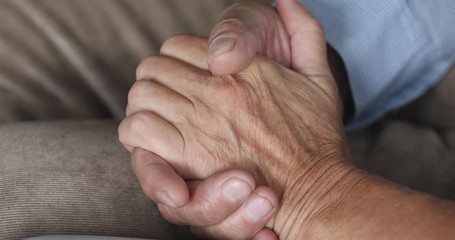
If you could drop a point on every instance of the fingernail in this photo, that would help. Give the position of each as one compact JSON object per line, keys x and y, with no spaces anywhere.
{"x":164,"y":198}
{"x":236,"y":190}
{"x":221,"y":45}
{"x":257,"y":208}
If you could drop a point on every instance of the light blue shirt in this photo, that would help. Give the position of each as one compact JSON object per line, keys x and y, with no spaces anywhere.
{"x":394,"y":50}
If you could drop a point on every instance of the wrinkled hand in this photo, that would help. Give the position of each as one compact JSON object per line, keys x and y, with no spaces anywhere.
{"x":223,"y":206}
{"x":282,"y":127}
{"x":284,"y":34}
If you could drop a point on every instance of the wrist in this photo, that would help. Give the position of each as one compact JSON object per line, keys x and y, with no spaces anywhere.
{"x":343,"y":202}
{"x":308,"y":203}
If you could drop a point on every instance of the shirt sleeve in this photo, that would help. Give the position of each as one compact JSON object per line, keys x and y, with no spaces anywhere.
{"x":393,"y":50}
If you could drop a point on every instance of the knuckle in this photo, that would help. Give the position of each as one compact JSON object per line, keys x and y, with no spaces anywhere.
{"x":170,"y":44}
{"x":141,"y":91}
{"x":139,"y":122}
{"x":136,"y":91}
{"x":144,"y":66}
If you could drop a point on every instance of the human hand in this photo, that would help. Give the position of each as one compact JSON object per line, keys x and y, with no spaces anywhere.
{"x":267,"y":120}
{"x":246,"y":29}
{"x":223,"y":206}
{"x":204,"y":205}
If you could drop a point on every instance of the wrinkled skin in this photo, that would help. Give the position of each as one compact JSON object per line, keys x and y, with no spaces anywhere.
{"x":187,"y":128}
{"x":272,"y":122}
{"x":251,"y":120}
{"x":282,"y":126}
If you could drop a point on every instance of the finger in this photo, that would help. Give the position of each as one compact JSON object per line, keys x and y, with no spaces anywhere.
{"x":309,"y":51}
{"x":148,"y":95}
{"x":172,"y":73}
{"x":265,"y":234}
{"x":213,"y":199}
{"x":190,"y":49}
{"x":148,"y":131}
{"x":248,"y":220}
{"x":158,"y":179}
{"x":244,"y":30}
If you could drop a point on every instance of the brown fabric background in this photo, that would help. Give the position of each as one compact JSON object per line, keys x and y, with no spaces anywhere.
{"x":72,"y":178}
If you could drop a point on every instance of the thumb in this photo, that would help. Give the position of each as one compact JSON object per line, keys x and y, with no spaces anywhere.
{"x":244,"y":30}
{"x":308,"y":43}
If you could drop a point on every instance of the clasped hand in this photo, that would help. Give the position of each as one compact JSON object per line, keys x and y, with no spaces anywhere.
{"x":281,"y":126}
